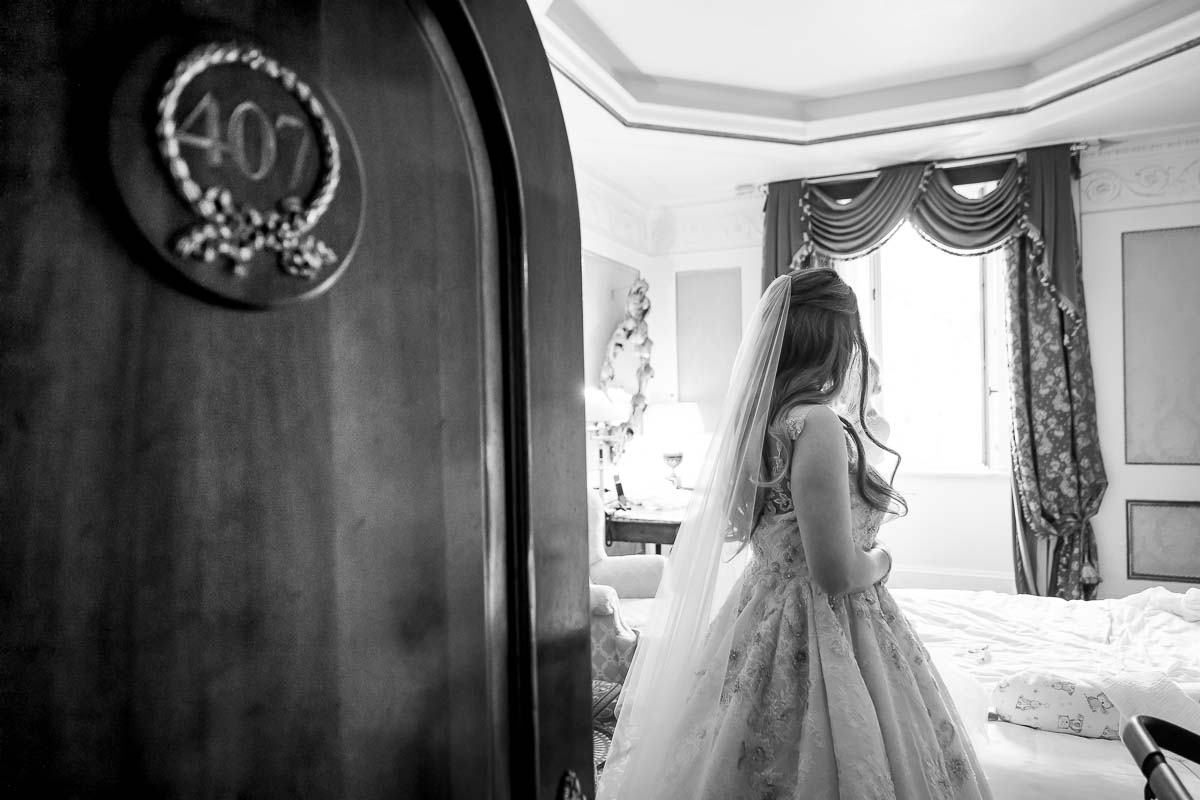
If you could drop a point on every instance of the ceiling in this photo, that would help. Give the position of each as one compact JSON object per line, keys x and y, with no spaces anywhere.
{"x":675,"y":102}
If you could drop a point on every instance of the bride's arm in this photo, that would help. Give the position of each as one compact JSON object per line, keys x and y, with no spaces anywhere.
{"x":821,"y":494}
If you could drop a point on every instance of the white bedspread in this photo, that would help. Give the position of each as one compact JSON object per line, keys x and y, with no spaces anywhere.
{"x":1026,"y":764}
{"x":1101,"y":638}
{"x":977,"y":638}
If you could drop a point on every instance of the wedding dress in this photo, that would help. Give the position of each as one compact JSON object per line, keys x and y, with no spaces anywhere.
{"x":821,"y":696}
{"x":751,"y":683}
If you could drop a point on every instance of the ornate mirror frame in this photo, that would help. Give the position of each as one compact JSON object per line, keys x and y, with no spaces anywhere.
{"x":631,"y":337}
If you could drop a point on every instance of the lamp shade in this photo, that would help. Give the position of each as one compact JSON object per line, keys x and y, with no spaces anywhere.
{"x":599,"y":407}
{"x":672,"y":424}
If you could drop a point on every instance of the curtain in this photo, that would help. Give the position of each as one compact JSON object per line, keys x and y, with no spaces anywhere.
{"x":1058,"y":475}
{"x":970,"y":226}
{"x":1057,"y":469}
{"x":782,"y":228}
{"x":855,"y":228}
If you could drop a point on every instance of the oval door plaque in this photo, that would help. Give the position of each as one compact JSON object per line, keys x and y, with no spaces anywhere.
{"x":250,"y":186}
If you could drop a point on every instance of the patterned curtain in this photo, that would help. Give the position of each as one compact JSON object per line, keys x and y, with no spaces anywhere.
{"x":1058,"y":473}
{"x":1059,"y":478}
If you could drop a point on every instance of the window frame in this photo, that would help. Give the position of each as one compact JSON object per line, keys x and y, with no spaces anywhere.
{"x":994,"y":460}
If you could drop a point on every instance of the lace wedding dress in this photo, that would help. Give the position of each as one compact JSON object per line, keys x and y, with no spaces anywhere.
{"x":818,"y":696}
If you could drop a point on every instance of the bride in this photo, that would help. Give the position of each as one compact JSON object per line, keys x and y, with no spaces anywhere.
{"x":776,"y":664}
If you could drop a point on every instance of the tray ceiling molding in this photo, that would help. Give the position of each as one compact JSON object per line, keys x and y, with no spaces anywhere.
{"x":583,"y":54}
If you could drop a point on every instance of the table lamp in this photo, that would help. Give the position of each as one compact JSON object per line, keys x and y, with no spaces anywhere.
{"x":606,"y":423}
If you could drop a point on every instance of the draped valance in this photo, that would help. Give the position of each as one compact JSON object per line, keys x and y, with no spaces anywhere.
{"x":1032,"y":200}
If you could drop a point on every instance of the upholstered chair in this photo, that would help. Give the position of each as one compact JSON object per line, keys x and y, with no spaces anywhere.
{"x":622,"y":591}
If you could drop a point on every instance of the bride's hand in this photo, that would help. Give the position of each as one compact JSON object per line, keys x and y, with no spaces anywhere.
{"x":881,"y":568}
{"x":885,"y":556}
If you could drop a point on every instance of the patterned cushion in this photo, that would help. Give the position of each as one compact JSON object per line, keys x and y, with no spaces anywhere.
{"x":612,"y":648}
{"x":604,"y":720}
{"x":1053,"y":703}
{"x":604,"y":702}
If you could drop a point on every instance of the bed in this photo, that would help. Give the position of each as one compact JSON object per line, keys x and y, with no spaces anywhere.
{"x":979,"y":639}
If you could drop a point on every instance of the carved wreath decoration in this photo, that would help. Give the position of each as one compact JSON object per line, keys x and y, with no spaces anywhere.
{"x":238,"y":231}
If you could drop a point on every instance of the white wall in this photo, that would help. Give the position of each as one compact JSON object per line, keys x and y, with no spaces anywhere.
{"x":957,"y":534}
{"x":1138,"y":185}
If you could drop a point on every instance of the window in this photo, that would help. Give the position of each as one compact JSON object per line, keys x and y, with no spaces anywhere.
{"x":935,"y":322}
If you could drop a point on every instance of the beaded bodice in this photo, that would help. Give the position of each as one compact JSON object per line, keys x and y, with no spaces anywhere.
{"x":776,"y":543}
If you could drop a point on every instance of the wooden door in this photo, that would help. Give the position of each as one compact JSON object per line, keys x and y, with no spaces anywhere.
{"x":330,"y":549}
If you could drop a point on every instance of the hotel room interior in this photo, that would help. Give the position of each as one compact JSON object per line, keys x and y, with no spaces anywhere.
{"x":382,"y":512}
{"x":681,"y":124}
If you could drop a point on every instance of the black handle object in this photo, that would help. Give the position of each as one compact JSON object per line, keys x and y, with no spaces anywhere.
{"x":1143,"y":736}
{"x":622,"y":501}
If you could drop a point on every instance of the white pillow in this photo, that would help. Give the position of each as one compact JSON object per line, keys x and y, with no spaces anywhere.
{"x":1053,"y":703}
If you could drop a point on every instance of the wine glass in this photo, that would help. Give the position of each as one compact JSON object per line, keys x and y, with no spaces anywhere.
{"x":673,"y":460}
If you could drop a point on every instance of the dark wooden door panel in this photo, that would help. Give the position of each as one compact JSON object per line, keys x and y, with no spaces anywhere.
{"x":553,"y":370}
{"x":284,"y":553}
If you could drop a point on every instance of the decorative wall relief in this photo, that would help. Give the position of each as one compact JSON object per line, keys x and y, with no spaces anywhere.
{"x":607,"y":215}
{"x":1161,"y":288}
{"x":1163,"y":540}
{"x":611,"y":214}
{"x":1157,"y":181}
{"x":241,"y":173}
{"x":720,"y":225}
{"x":1144,"y":174}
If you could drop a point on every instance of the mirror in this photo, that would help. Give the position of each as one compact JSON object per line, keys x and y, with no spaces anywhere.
{"x":617,"y":370}
{"x":617,"y":349}
{"x":606,"y":284}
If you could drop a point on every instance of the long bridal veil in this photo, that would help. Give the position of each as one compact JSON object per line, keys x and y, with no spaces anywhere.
{"x":691,"y":624}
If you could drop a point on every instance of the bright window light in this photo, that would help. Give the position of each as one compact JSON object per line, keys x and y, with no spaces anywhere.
{"x":935,"y":322}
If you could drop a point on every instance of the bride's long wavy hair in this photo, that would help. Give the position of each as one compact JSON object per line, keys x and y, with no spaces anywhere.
{"x":822,"y":340}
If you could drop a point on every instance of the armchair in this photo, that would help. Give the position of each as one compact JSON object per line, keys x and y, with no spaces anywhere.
{"x":622,"y":592}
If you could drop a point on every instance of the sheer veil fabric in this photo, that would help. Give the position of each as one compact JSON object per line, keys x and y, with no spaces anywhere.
{"x":693,"y":614}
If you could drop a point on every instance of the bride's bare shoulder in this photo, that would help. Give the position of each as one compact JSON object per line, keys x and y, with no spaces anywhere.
{"x":807,"y":416}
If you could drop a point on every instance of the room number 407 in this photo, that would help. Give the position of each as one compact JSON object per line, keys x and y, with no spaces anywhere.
{"x":202,"y":128}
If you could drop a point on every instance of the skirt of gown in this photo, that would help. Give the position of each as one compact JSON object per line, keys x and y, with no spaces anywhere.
{"x":812,"y":696}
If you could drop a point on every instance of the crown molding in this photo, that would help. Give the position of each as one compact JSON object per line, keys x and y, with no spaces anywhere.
{"x":1142,"y":146}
